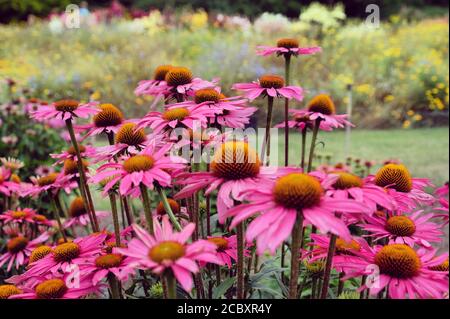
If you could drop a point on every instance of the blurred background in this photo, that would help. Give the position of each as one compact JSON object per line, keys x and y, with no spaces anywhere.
{"x":398,"y":71}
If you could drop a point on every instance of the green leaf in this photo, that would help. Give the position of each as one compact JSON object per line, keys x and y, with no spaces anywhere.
{"x":220,"y":290}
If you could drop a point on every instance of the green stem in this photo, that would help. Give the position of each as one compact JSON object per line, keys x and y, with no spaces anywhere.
{"x":329,"y":262}
{"x":115,"y":287}
{"x":266,"y":143}
{"x":313,"y":144}
{"x":168,"y":209}
{"x":115,"y":216}
{"x":85,"y":192}
{"x":147,"y":208}
{"x":287,"y":67}
{"x":303,"y":154}
{"x":240,"y":262}
{"x":56,"y":214}
{"x":171,"y":285}
{"x":295,"y":255}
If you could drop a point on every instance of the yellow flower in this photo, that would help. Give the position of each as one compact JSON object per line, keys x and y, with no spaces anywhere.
{"x":418,"y":117}
{"x":389,"y":98}
{"x":96,"y":96}
{"x":406,"y":124}
{"x":410,"y":113}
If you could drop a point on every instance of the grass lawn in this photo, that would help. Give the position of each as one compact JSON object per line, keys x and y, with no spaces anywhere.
{"x":424,"y":151}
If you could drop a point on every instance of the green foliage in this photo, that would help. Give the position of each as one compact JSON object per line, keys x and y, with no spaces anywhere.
{"x":20,"y":9}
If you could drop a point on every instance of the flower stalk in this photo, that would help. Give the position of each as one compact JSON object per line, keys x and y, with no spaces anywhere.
{"x":295,"y":255}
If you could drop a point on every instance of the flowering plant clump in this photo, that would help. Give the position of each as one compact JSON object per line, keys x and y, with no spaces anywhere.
{"x":185,"y":202}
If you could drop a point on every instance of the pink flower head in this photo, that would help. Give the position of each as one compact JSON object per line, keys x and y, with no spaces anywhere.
{"x":167,"y":250}
{"x":155,"y":86}
{"x":78,"y":216}
{"x":19,"y":216}
{"x":6,"y":186}
{"x":108,"y":120}
{"x":443,"y":208}
{"x":442,"y":191}
{"x":70,"y":154}
{"x":184,"y":114}
{"x":234,"y":168}
{"x":149,"y":166}
{"x":351,"y":186}
{"x":270,"y":85}
{"x":57,"y":287}
{"x":277,"y":203}
{"x":227,"y":249}
{"x":405,"y":273}
{"x":53,"y":182}
{"x":65,"y":255}
{"x":287,"y":47}
{"x":18,"y":249}
{"x":408,"y":192}
{"x":64,"y":110}
{"x":409,"y":229}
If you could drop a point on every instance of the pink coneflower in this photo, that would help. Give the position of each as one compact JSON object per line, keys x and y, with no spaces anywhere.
{"x":64,"y":255}
{"x":185,"y":115}
{"x":19,"y":249}
{"x":351,"y":186}
{"x":444,"y":208}
{"x":19,"y":216}
{"x":157,"y":85}
{"x":70,"y":154}
{"x":277,"y":203}
{"x":180,"y":83}
{"x":270,"y":85}
{"x":302,"y":123}
{"x":129,"y":141}
{"x":287,"y":46}
{"x":105,"y":265}
{"x":235,"y":167}
{"x":169,"y":251}
{"x":7,"y":186}
{"x":409,"y":229}
{"x":78,"y":216}
{"x":53,"y":182}
{"x":321,"y":108}
{"x":64,"y":110}
{"x":405,"y":190}
{"x":403,"y":271}
{"x":58,"y":288}
{"x":227,"y":250}
{"x":442,"y":191}
{"x":108,"y":120}
{"x":149,"y":166}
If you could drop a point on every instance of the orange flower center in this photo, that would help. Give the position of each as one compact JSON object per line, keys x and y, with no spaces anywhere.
{"x":168,"y":250}
{"x":19,"y":214}
{"x":128,"y":135}
{"x":138,"y":163}
{"x":39,"y":218}
{"x":109,"y":261}
{"x":288,"y":43}
{"x":179,"y":113}
{"x":297,"y":191}
{"x":66,"y":105}
{"x":17,"y":244}
{"x":347,"y":180}
{"x":396,"y":175}
{"x":7,"y":291}
{"x":344,"y":247}
{"x":322,"y":103}
{"x":235,"y":160}
{"x":39,"y":252}
{"x":47,"y":180}
{"x":178,"y":76}
{"x":161,"y":71}
{"x":160,"y":210}
{"x":71,"y":167}
{"x":271,"y":81}
{"x":65,"y":252}
{"x":71,"y":150}
{"x":441,"y":267}
{"x":77,"y":207}
{"x":398,"y":261}
{"x":206,"y":95}
{"x":220,"y":242}
{"x":109,"y":115}
{"x":401,"y":226}
{"x":51,"y":289}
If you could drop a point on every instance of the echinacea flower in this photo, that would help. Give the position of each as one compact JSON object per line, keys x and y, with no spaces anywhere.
{"x":78,"y":216}
{"x":58,"y":288}
{"x":321,"y":109}
{"x":351,"y":186}
{"x":66,"y":254}
{"x":13,"y":164}
{"x":64,"y":110}
{"x":105,"y":265}
{"x":70,"y":154}
{"x":235,"y":167}
{"x":183,"y":115}
{"x":157,"y":85}
{"x":287,"y":46}
{"x":150,"y":166}
{"x":18,"y":249}
{"x":409,"y":229}
{"x":270,"y":85}
{"x":227,"y":249}
{"x":7,"y":186}
{"x":405,"y":190}
{"x":108,"y":120}
{"x":403,"y":271}
{"x":53,"y":183}
{"x":6,"y":291}
{"x":169,"y":251}
{"x":19,"y":216}
{"x":277,"y":202}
